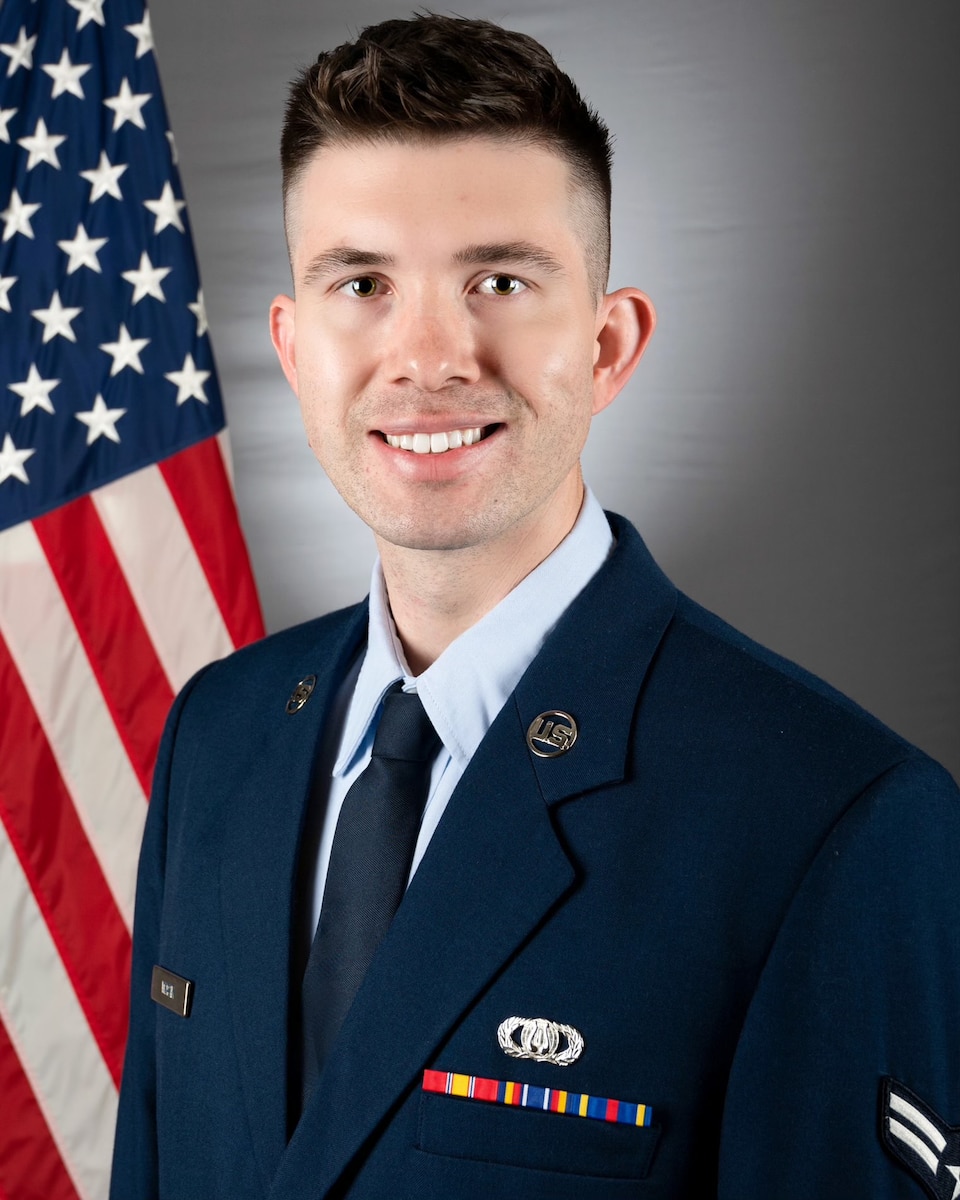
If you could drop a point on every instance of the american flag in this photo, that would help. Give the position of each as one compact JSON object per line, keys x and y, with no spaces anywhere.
{"x":122,"y":565}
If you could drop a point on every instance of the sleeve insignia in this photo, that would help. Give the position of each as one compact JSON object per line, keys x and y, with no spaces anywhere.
{"x":920,"y":1140}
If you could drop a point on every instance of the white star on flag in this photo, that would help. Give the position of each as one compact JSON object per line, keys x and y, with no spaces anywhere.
{"x":17,"y":217}
{"x":126,"y":106}
{"x":166,"y":209}
{"x":101,"y":421}
{"x":125,"y":351}
{"x":89,"y":10}
{"x":144,"y":35}
{"x":189,"y":382}
{"x":19,"y":52}
{"x":5,"y":285}
{"x":56,"y":320}
{"x":34,"y":392}
{"x":173,"y":146}
{"x":146,"y":279}
{"x":42,"y":146}
{"x":5,"y":115}
{"x":66,"y":76}
{"x":198,"y":308}
{"x":103,"y":178}
{"x":82,"y":251}
{"x":12,"y":460}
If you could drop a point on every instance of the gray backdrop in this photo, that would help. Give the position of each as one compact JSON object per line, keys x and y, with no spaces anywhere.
{"x":787,"y":188}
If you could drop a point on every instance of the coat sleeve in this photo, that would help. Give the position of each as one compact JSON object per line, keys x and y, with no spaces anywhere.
{"x":135,"y":1160}
{"x":862,"y":986}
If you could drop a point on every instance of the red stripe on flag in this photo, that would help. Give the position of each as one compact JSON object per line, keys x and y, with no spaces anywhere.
{"x":198,"y":483}
{"x":63,"y":871}
{"x":109,"y":625}
{"x":30,"y":1164}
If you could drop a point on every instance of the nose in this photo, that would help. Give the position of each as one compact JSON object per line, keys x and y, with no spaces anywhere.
{"x":431,"y":344}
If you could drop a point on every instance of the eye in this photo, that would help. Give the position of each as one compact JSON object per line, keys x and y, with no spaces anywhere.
{"x":501,"y":285}
{"x":364,"y":286}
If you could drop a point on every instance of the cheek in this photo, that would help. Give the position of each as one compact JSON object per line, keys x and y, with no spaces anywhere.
{"x":331,"y":354}
{"x":548,"y":366}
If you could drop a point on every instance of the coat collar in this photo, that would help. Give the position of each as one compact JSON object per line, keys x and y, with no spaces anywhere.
{"x":258,"y":870}
{"x":594,"y":664}
{"x":480,"y":893}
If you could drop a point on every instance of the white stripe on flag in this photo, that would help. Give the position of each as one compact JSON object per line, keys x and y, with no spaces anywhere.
{"x":909,"y":1138}
{"x":163,"y":573}
{"x":226,"y":453}
{"x":916,"y":1118}
{"x":36,"y":625}
{"x":53,"y":1041}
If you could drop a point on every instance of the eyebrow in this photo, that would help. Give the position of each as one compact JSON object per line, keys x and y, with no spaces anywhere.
{"x":518,"y":254}
{"x":343,"y":258}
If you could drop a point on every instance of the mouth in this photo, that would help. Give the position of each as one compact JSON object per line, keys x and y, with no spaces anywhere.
{"x":438,"y":443}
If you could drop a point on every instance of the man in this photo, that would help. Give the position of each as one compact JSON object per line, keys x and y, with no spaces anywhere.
{"x":681,"y":920}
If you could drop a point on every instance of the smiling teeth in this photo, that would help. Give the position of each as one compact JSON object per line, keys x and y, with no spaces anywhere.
{"x":434,"y":443}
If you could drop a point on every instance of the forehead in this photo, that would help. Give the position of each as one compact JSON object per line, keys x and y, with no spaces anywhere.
{"x":477,"y":189}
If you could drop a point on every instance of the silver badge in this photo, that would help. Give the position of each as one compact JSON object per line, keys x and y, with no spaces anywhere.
{"x":540,"y":1040}
{"x":551,"y":734}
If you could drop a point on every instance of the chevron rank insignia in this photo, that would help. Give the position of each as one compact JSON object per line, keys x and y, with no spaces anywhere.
{"x":923,"y":1142}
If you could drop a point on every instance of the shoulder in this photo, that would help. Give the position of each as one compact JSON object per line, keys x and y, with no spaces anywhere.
{"x":232,"y":694}
{"x":757,"y":696}
{"x":280,"y":655}
{"x":732,"y":663}
{"x":291,"y":645}
{"x":716,"y":704}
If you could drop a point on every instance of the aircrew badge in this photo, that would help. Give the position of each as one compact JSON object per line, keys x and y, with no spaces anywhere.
{"x":540,"y":1040}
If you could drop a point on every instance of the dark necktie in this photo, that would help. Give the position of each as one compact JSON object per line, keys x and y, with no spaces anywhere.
{"x":369,"y":867}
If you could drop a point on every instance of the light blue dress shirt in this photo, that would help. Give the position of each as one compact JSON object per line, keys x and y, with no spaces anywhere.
{"x":465,"y":688}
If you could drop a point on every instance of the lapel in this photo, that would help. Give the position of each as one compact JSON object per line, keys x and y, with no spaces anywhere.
{"x":494,"y":870}
{"x":258,"y":872}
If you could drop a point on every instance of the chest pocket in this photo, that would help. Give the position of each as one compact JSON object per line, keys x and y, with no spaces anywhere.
{"x":565,"y":1147}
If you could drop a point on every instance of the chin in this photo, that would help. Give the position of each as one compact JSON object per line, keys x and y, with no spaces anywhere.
{"x":426,"y":534}
{"x":427,"y":539}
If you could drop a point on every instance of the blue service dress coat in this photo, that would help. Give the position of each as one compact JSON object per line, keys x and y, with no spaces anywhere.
{"x":738,"y":888}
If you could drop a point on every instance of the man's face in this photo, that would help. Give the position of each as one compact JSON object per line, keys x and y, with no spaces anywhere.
{"x":443,"y":339}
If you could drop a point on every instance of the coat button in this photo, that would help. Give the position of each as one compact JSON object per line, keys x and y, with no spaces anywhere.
{"x":552,"y":734}
{"x":301,"y":693}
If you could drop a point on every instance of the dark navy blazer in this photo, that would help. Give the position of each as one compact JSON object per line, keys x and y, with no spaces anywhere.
{"x":739,"y":888}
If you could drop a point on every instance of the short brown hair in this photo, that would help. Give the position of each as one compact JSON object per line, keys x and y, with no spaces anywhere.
{"x":435,"y":77}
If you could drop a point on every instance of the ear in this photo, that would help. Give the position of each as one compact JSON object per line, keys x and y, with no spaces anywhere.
{"x":283,"y":335}
{"x":625,"y":323}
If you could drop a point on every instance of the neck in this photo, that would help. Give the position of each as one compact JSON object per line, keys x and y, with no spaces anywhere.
{"x":435,"y":595}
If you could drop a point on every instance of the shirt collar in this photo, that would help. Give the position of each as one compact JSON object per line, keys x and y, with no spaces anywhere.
{"x":465,"y":688}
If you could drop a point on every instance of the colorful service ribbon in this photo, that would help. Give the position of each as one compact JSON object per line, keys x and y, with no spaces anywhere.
{"x":527,"y":1095}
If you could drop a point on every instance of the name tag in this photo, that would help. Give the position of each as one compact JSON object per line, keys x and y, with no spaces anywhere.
{"x":172,"y":991}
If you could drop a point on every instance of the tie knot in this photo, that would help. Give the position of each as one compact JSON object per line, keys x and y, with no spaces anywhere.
{"x":405,"y":731}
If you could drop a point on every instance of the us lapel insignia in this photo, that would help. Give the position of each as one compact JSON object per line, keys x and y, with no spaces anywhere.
{"x":920,"y":1140}
{"x":540,"y":1040}
{"x":551,"y":734}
